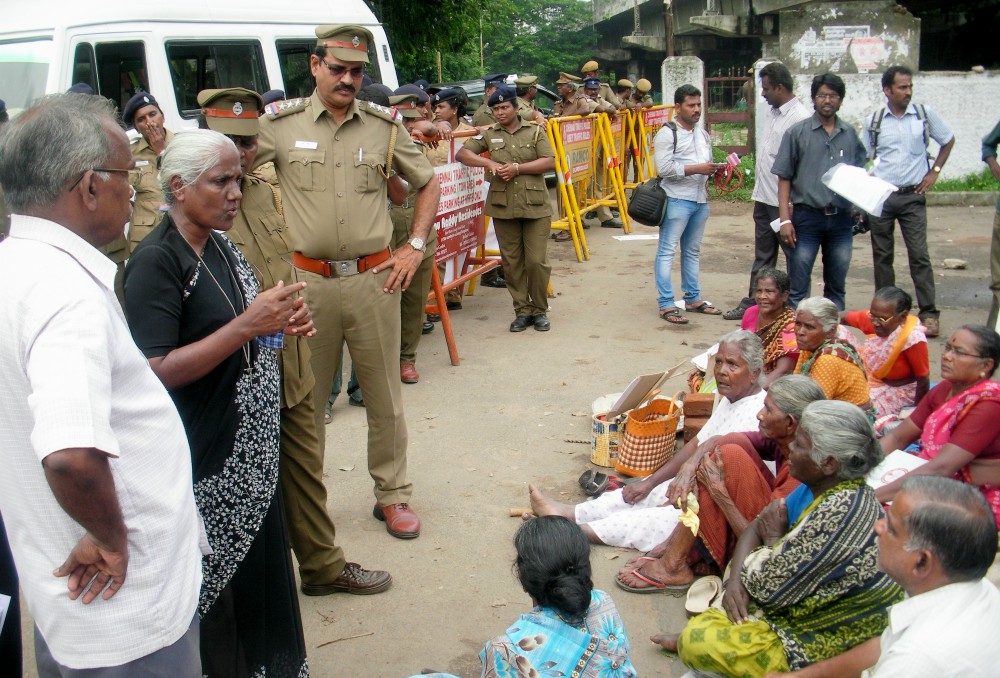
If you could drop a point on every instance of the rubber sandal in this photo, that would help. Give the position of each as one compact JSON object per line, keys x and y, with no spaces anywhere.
{"x":635,"y":564}
{"x":705,"y":307}
{"x":701,"y":594}
{"x":655,"y":585}
{"x":673,"y":316}
{"x":586,"y":478}
{"x":734,"y":314}
{"x":597,"y":485}
{"x":562,"y":236}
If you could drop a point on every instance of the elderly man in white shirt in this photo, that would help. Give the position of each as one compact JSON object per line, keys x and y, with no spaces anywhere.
{"x":776,"y":86}
{"x":95,"y":487}
{"x":937,"y":540}
{"x":683,"y":154}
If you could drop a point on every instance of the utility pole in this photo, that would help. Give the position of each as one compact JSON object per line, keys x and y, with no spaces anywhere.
{"x":668,"y":25}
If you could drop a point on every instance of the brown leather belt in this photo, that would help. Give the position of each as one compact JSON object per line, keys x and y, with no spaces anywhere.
{"x":330,"y":268}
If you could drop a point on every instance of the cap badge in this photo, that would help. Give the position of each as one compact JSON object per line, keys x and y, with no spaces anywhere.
{"x":237,"y":108}
{"x":356,"y":41}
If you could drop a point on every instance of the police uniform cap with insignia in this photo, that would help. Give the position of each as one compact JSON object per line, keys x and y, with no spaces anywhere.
{"x":406,"y":105}
{"x":233,"y":110}
{"x":346,"y":42}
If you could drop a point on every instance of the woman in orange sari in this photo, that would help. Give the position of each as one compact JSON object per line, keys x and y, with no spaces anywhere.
{"x":894,"y":352}
{"x":825,"y":358}
{"x":773,"y":320}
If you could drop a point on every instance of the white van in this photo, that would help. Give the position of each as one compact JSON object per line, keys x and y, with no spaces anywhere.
{"x":172,"y":48}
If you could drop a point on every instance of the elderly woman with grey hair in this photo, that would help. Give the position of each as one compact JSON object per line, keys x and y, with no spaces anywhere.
{"x":640,"y":515}
{"x":193,"y":309}
{"x":802,"y":592}
{"x":824,"y":357}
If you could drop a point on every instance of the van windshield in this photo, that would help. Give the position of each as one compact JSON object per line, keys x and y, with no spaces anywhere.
{"x":197,"y":65}
{"x":24,"y":67}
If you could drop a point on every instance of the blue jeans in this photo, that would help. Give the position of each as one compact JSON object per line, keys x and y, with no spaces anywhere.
{"x":685,"y":223}
{"x":832,"y":234}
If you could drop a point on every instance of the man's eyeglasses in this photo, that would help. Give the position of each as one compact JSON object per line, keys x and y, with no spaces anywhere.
{"x":829,"y":97}
{"x":958,"y":353}
{"x":133,"y":175}
{"x":338,"y":71}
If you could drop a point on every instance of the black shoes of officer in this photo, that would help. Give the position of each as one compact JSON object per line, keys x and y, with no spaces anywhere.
{"x":496,"y":281}
{"x":521,"y":323}
{"x":611,"y":223}
{"x":541,"y":323}
{"x":427,"y":327}
{"x":454,"y":305}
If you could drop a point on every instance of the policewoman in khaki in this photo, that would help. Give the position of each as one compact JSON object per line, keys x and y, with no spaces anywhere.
{"x":331,"y":154}
{"x":259,"y":232}
{"x":518,"y":202}
{"x":143,"y":113}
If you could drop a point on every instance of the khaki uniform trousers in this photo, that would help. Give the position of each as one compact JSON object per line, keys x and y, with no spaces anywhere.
{"x":310,"y":528}
{"x":356,"y":310}
{"x":414,"y":298}
{"x":524,"y":243}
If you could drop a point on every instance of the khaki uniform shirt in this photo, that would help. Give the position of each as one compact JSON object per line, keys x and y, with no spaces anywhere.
{"x":332,"y":183}
{"x":609,"y":95}
{"x":644,"y":101}
{"x":146,"y":214}
{"x":578,"y":105}
{"x":259,"y":231}
{"x":442,"y":154}
{"x":402,"y":215}
{"x":525,"y":196}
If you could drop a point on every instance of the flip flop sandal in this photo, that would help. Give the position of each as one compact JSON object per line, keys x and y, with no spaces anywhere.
{"x":655,"y":585}
{"x":597,"y":485}
{"x":673,"y":316}
{"x":614,"y":483}
{"x":562,"y":236}
{"x":701,"y":594}
{"x":586,"y":478}
{"x":705,"y":307}
{"x":636,"y":565}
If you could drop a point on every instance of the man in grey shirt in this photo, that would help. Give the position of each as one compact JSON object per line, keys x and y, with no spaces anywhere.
{"x":683,"y":153}
{"x":820,"y":219}
{"x":776,"y":88}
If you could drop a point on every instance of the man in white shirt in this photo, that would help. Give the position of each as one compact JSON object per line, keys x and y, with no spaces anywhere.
{"x":776,"y":87}
{"x":936,"y":540}
{"x":95,"y":470}
{"x":683,"y":153}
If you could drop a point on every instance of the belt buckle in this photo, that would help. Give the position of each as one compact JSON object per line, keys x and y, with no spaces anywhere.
{"x":344,"y":268}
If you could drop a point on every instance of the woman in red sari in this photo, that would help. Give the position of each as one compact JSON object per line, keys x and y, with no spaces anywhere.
{"x":958,"y":421}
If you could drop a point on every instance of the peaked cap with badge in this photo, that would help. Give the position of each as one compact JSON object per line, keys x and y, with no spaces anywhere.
{"x":132,"y":106}
{"x":346,"y":42}
{"x":233,"y":110}
{"x":406,"y":104}
{"x":501,"y":94}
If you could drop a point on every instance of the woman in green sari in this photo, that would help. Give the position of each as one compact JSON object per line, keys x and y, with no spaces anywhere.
{"x":803,"y":592}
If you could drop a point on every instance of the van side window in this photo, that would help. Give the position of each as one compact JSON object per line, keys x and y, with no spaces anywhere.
{"x":198,"y":65}
{"x":121,"y":70}
{"x":293,"y":57}
{"x":84,"y":66}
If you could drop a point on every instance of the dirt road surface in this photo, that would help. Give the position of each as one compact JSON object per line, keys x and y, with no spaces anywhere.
{"x":513,"y":413}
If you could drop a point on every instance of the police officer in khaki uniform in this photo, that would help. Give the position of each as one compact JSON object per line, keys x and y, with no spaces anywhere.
{"x":414,"y":298}
{"x":624,"y":92}
{"x":527,"y":89}
{"x":331,"y":154}
{"x":640,"y":94}
{"x":518,"y":202}
{"x":592,"y":69}
{"x":483,"y":116}
{"x":259,"y":231}
{"x":593,"y":91}
{"x":143,"y":113}
{"x":572,"y":102}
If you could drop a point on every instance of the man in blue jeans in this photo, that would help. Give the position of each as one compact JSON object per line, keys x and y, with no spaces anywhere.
{"x":683,"y":153}
{"x":813,"y":217}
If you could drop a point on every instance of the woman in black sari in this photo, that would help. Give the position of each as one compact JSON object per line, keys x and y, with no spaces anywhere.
{"x":193,"y":308}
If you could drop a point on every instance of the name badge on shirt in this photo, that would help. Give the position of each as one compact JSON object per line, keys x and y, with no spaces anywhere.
{"x":310,"y":145}
{"x":141,"y":163}
{"x":497,"y":141}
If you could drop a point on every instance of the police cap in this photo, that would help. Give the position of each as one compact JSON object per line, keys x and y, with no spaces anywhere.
{"x":233,"y":110}
{"x":132,"y":106}
{"x":501,"y":94}
{"x":406,"y":103}
{"x":344,"y":41}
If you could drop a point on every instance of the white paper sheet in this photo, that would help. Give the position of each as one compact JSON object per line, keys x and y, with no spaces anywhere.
{"x":858,"y":187}
{"x":895,"y":465}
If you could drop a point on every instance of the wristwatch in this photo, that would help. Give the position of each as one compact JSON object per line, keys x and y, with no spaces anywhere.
{"x":937,"y":170}
{"x":418,"y":244}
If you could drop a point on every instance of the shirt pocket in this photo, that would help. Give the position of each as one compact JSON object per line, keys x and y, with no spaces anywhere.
{"x":498,"y":193}
{"x":276,"y":229}
{"x":536,"y":193}
{"x":306,"y":167}
{"x":915,"y":137}
{"x":368,"y":176}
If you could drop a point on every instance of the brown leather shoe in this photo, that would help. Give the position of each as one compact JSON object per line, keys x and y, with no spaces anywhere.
{"x":355,"y":580}
{"x":408,"y":373}
{"x":932,"y":326}
{"x":400,"y":520}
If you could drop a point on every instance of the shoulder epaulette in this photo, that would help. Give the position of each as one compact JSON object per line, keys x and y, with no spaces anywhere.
{"x":390,"y":114}
{"x":279,"y":109}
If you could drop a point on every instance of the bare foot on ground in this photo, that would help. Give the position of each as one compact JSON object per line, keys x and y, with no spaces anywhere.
{"x":543,"y":506}
{"x":668,"y":641}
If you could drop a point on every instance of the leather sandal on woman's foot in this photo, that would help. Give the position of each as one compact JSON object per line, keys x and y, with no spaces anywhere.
{"x":705,"y":307}
{"x":673,"y":316}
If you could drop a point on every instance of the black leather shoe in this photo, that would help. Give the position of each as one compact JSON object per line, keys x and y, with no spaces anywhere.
{"x":521,"y":323}
{"x":611,"y":223}
{"x":454,"y":305}
{"x":496,"y":281}
{"x":427,"y":327}
{"x":541,"y":323}
{"x":433,"y":318}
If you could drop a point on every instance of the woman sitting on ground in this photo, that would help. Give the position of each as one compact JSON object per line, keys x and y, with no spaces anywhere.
{"x":894,"y":352}
{"x":804,"y":592}
{"x":831,"y":362}
{"x":958,"y":421}
{"x":635,"y":516}
{"x":773,"y":320}
{"x":572,"y":629}
{"x":733,"y":486}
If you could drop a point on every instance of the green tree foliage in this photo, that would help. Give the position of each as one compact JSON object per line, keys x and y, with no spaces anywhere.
{"x":525,"y":36}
